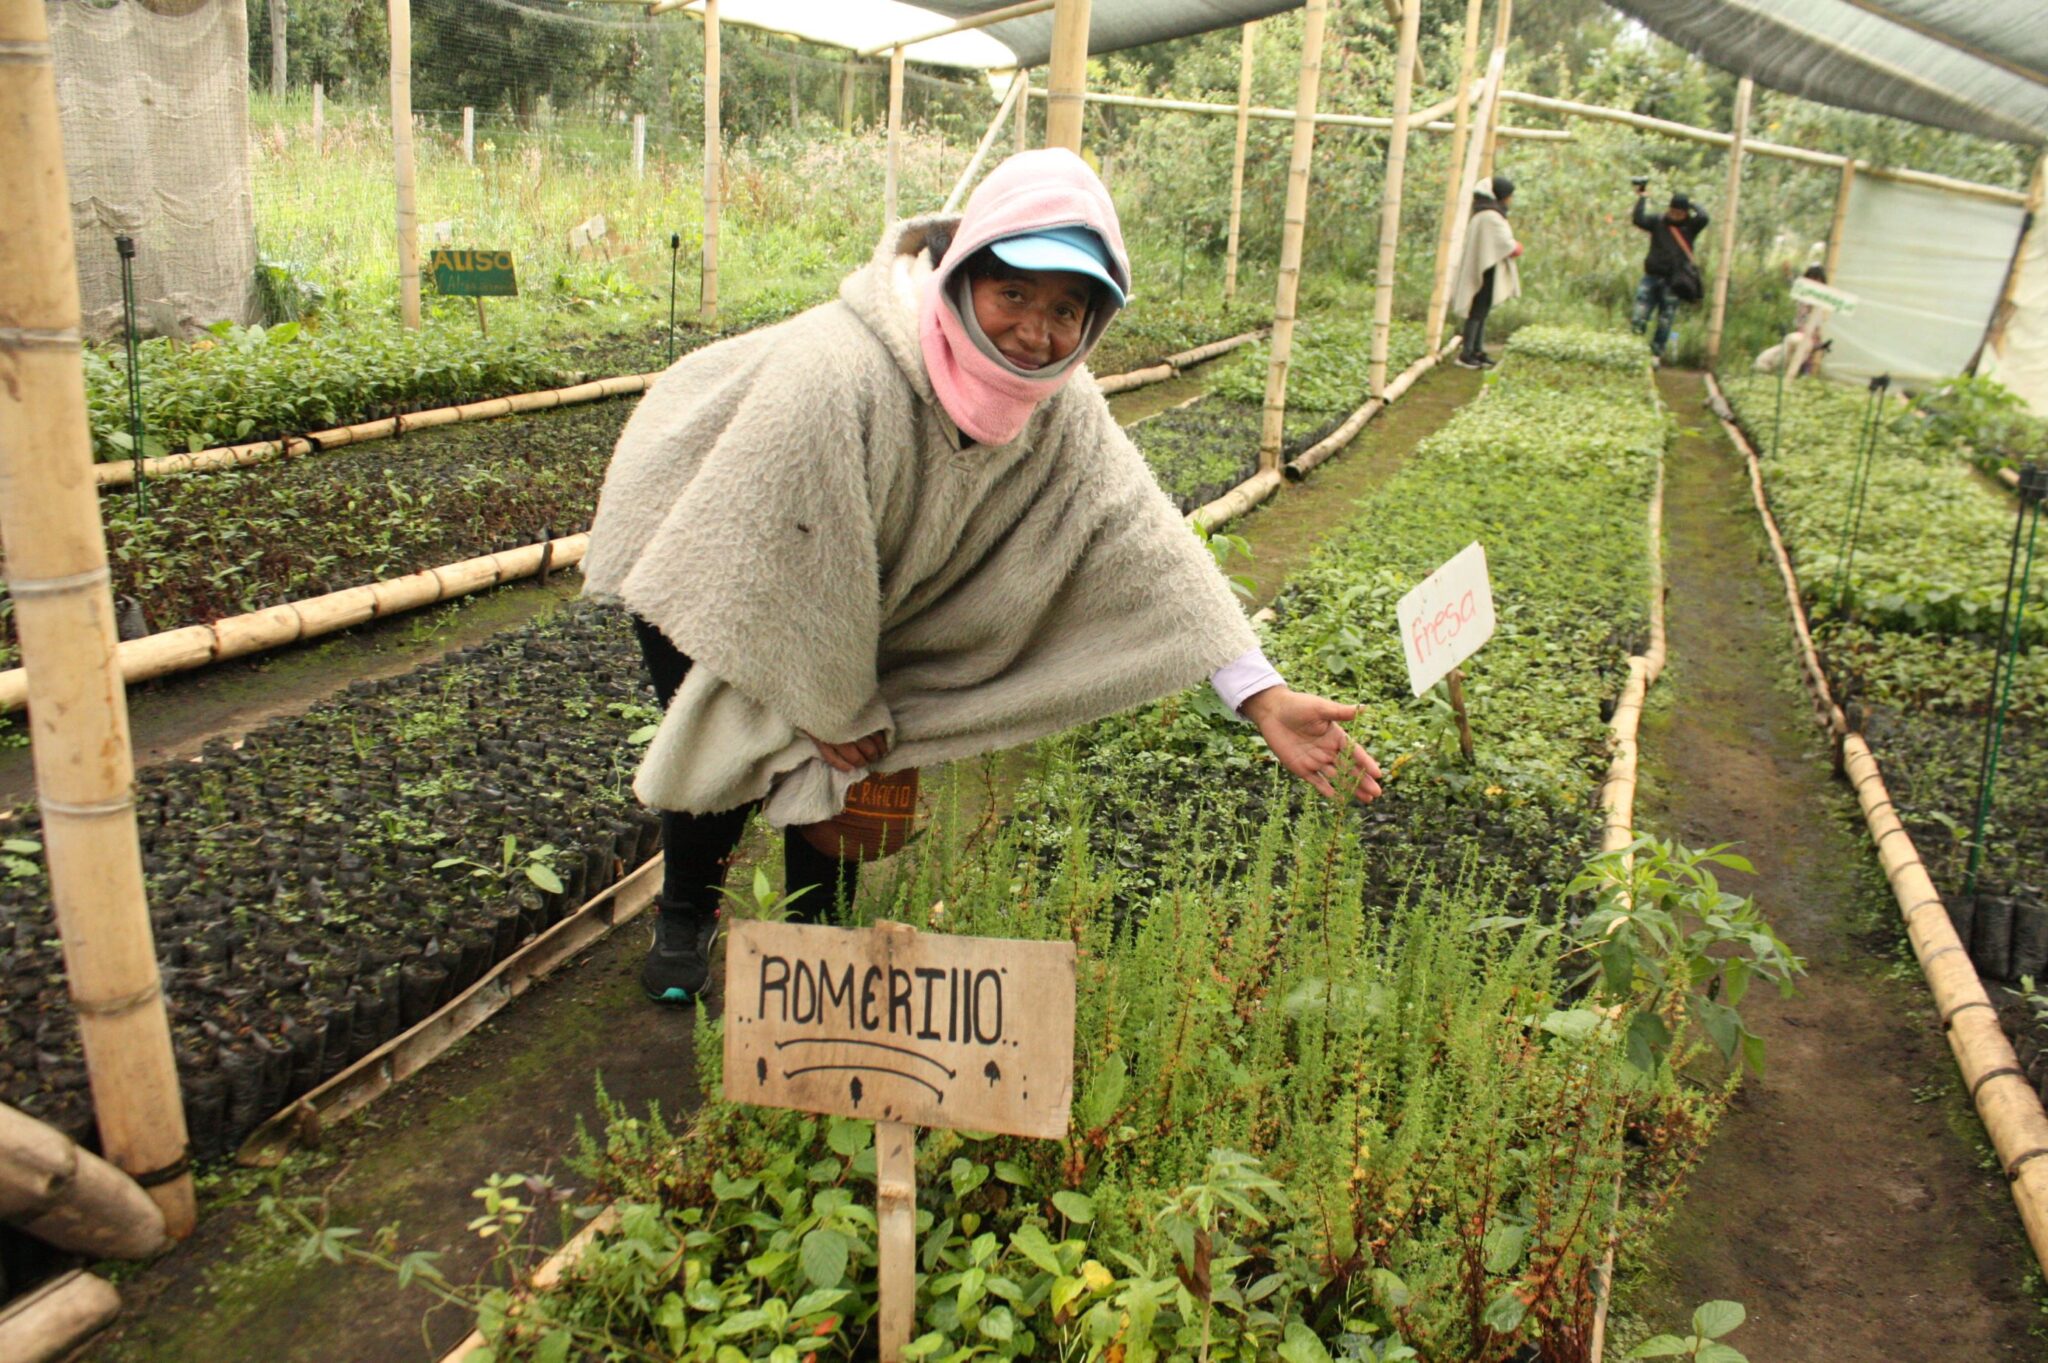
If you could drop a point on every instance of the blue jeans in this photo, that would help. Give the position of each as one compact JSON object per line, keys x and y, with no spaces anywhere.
{"x":1654,"y":293}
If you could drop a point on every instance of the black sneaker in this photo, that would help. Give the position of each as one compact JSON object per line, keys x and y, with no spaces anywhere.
{"x":1484,"y":361}
{"x":1467,"y":362}
{"x":678,"y":965}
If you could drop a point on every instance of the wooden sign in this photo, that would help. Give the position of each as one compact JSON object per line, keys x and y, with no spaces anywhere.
{"x":1813,"y":291}
{"x":974,"y":1033}
{"x":1446,"y":617}
{"x":473,"y":274}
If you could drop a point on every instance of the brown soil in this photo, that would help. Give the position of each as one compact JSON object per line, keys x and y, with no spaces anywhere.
{"x":1847,"y":1200}
{"x":507,"y":1099}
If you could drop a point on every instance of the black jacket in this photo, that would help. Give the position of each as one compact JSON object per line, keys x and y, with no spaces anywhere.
{"x":1664,"y":256}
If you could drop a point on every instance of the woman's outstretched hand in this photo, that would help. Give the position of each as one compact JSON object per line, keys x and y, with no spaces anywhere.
{"x":1307,"y":734}
{"x":851,"y":757}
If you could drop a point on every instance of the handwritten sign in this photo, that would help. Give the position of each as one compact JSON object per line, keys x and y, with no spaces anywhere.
{"x":975,"y":1033}
{"x":587,"y":233}
{"x":1813,"y":291}
{"x":1446,"y":617}
{"x":473,"y":274}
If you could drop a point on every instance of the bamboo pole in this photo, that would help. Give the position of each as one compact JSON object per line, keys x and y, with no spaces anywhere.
{"x":987,"y":144}
{"x":237,"y":636}
{"x":54,"y":1319}
{"x":1745,"y":90}
{"x":1503,"y":21}
{"x":1840,"y":220}
{"x":1272,"y":428}
{"x":56,"y":559}
{"x":639,"y":146}
{"x":1067,"y":75}
{"x":846,"y":99}
{"x":707,"y":288}
{"x":398,"y":14}
{"x":1023,"y":138}
{"x":1299,"y":467}
{"x":1461,"y":128}
{"x":1468,"y":181}
{"x":893,"y":169}
{"x":278,"y":24}
{"x":1238,"y":500}
{"x":1390,"y":194}
{"x":2008,"y":297}
{"x":71,"y":1198}
{"x":468,"y":135}
{"x":1267,"y":114}
{"x":1247,"y":49}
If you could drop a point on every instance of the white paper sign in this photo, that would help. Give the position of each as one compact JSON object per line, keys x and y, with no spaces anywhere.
{"x":441,"y":233}
{"x":1445,"y":619}
{"x":1813,"y":291}
{"x":587,"y":233}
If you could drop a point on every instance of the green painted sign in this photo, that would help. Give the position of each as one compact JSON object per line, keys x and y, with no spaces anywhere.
{"x":473,"y":274}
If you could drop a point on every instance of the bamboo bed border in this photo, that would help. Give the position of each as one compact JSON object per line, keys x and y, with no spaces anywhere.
{"x":2012,"y":1113}
{"x":121,"y":473}
{"x":302,"y":1120}
{"x":52,"y":1319}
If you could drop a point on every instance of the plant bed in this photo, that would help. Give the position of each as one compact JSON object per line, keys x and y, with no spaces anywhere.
{"x":336,"y":876}
{"x":1335,"y":1096}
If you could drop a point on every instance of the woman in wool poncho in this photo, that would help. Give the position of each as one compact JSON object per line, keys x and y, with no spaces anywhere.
{"x":1487,"y":273}
{"x":903,"y":528}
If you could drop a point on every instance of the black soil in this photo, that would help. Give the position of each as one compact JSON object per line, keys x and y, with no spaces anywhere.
{"x":1847,"y":1200}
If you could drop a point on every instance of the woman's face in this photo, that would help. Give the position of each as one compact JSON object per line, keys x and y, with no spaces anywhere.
{"x":1034,"y":317}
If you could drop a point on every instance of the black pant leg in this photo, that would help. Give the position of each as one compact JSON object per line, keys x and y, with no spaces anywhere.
{"x":696,"y":848}
{"x":830,"y":881}
{"x":1475,"y":320}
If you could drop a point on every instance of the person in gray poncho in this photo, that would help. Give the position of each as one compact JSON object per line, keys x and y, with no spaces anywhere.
{"x":1487,"y":272}
{"x":903,"y":528}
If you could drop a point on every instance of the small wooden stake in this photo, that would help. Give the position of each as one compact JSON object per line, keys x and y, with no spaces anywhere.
{"x":1273,"y":424}
{"x":399,"y":15}
{"x":896,"y":1211}
{"x":893,"y":171}
{"x":1745,"y":89}
{"x":468,"y":135}
{"x":1067,"y":76}
{"x":1456,"y":681}
{"x":707,"y":310}
{"x":1248,"y":47}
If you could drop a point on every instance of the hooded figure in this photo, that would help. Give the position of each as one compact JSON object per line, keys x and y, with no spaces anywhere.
{"x":1487,"y":273}
{"x":903,"y":528}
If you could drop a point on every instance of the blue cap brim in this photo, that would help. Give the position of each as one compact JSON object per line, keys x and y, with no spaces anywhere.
{"x":1075,"y":250}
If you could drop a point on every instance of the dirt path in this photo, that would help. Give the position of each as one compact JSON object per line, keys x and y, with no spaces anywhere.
{"x":1845,"y":1201}
{"x":507,"y":1099}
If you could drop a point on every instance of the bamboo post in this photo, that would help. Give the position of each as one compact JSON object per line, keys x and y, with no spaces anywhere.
{"x":52,"y":1320}
{"x":707,"y":308}
{"x":1272,"y":430}
{"x":319,"y":113}
{"x":639,"y":146}
{"x":1841,"y":218}
{"x":399,"y":14}
{"x":1248,"y":47}
{"x":1067,"y":77}
{"x":896,"y":1240}
{"x":72,"y":1198}
{"x":56,"y":556}
{"x":2001,"y":317}
{"x":1469,"y":176}
{"x":1745,"y":89}
{"x":1461,"y":128}
{"x":468,"y":135}
{"x":1023,"y":139}
{"x":277,"y":47}
{"x":1502,"y":22}
{"x":1390,"y":195}
{"x":846,"y":98}
{"x":893,"y":173}
{"x":986,"y":145}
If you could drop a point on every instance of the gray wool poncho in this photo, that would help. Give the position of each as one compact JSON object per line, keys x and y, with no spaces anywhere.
{"x":790,"y":508}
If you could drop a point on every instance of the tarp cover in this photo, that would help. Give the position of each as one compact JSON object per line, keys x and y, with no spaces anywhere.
{"x":1974,"y":66}
{"x":1927,"y":268}
{"x":1112,"y":25}
{"x":2020,"y":358}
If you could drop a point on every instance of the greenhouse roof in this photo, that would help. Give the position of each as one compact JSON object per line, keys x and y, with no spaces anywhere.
{"x":865,"y":25}
{"x":1974,"y":66}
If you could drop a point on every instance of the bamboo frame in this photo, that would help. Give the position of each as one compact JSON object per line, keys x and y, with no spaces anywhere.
{"x":1022,"y":141}
{"x":72,"y":1198}
{"x":707,"y":306}
{"x":1745,"y":92}
{"x":987,"y":143}
{"x":1841,"y":217}
{"x":1268,"y":114}
{"x":238,"y":636}
{"x":1247,"y":49}
{"x":2008,"y":296}
{"x":1468,"y":180}
{"x":2006,"y":1102}
{"x":1300,"y":466}
{"x":1171,"y":365}
{"x":406,"y":1054}
{"x":54,"y":1319}
{"x":1489,"y":139}
{"x":1390,"y":195}
{"x":398,"y":15}
{"x":1273,"y":422}
{"x":1067,"y":74}
{"x":966,"y":25}
{"x":56,"y":558}
{"x":1461,"y":128}
{"x":893,"y":166}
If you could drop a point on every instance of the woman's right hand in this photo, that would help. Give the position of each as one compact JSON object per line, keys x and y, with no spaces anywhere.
{"x":851,"y":757}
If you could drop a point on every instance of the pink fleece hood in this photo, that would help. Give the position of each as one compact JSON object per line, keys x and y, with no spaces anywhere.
{"x":1031,"y":191}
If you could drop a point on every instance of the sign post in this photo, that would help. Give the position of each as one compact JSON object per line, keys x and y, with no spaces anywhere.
{"x":474,"y":274}
{"x":908,"y":1029}
{"x":1444,"y":619}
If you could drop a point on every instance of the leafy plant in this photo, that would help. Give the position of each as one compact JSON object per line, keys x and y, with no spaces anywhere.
{"x":534,"y":864}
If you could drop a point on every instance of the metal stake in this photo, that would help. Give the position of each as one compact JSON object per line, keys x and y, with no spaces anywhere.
{"x":2012,"y":611}
{"x":675,"y":245}
{"x":125,"y":245}
{"x":1859,"y":491}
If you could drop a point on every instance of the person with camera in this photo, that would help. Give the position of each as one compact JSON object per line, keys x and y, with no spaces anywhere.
{"x":1671,"y":272}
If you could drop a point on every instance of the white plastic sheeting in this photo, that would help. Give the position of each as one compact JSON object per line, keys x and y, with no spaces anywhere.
{"x":1927,"y":268}
{"x":2020,"y":359}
